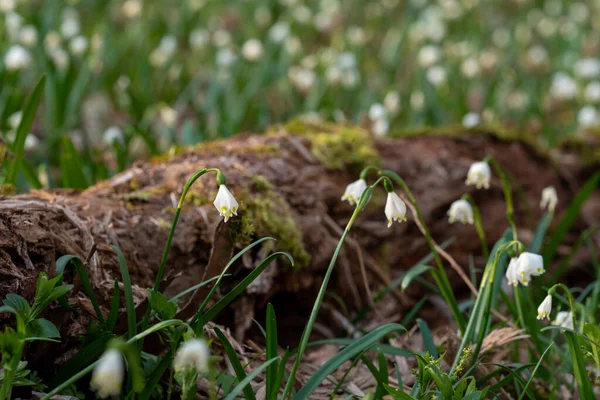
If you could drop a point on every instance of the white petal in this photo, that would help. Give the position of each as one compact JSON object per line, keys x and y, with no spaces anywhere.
{"x":107,"y":377}
{"x":192,"y":354}
{"x":545,"y":308}
{"x":479,"y":175}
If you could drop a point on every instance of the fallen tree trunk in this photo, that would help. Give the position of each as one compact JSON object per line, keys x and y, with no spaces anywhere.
{"x":288,"y":184}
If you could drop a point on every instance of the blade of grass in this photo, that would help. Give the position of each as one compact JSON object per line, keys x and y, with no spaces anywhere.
{"x":271,"y":339}
{"x":535,"y":370}
{"x":155,"y":375}
{"x":129,"y":305}
{"x":115,"y":303}
{"x":236,"y":364}
{"x":240,"y":386}
{"x":427,"y":338}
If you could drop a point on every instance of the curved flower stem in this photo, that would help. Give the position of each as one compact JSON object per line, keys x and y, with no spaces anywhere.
{"x":478,"y":225}
{"x":510,"y":211}
{"x":439,"y":274}
{"x":161,"y":267}
{"x":364,"y":199}
{"x":572,"y":303}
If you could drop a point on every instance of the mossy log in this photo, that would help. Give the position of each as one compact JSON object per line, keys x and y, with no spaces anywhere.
{"x":288,"y":183}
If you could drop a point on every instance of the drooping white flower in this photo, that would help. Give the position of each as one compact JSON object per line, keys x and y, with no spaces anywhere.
{"x":429,"y":55}
{"x":380,"y":127}
{"x":436,"y":75}
{"x":377,"y":111}
{"x":192,"y":354}
{"x":113,"y":134}
{"x":28,"y":35}
{"x":225,"y":203}
{"x":587,"y":68}
{"x":588,"y":117}
{"x":462,"y":211}
{"x":392,"y":101}
{"x":354,"y":191}
{"x":512,"y":275}
{"x":592,"y":92}
{"x":17,"y":58}
{"x":471,"y":120}
{"x":563,"y":86}
{"x":78,"y":45}
{"x":395,"y":209}
{"x":545,"y":308}
{"x":549,"y":198}
{"x":479,"y":175}
{"x":199,"y":39}
{"x":107,"y":377}
{"x":279,"y":32}
{"x":528,"y":265}
{"x":564,"y":319}
{"x":252,"y":50}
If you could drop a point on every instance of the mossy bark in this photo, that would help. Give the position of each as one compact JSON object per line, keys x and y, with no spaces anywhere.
{"x":289,"y":183}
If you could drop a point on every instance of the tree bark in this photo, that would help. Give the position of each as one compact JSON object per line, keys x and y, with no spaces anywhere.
{"x":289,"y":183}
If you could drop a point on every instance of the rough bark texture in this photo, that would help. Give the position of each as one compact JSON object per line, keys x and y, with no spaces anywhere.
{"x":289,"y":184}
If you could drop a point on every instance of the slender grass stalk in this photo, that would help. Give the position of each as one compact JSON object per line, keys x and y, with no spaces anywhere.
{"x":478,"y":225}
{"x":439,"y":274}
{"x":510,"y":211}
{"x":315,"y":311}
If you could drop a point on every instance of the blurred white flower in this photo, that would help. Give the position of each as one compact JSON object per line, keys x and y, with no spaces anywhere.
{"x":429,"y":55}
{"x":563,"y":86}
{"x":334,"y":75}
{"x":417,"y":100}
{"x":28,"y":35}
{"x":17,"y":58}
{"x":479,"y":175}
{"x":354,"y":191}
{"x":347,"y":60}
{"x":60,"y":58}
{"x":107,"y":377}
{"x":113,"y":134}
{"x":501,"y":37}
{"x":528,"y":265}
{"x":470,"y":68}
{"x":460,"y":210}
{"x":252,"y":50}
{"x":549,"y":198}
{"x":537,"y":56}
{"x":51,"y":41}
{"x":31,"y":142}
{"x":15,"y":119}
{"x":547,"y":27}
{"x":436,"y":75}
{"x":471,"y":120}
{"x":356,"y":36}
{"x":279,"y":32}
{"x":193,"y":354}
{"x":377,"y":111}
{"x":564,"y":319}
{"x":225,"y":203}
{"x":168,"y":116}
{"x":380,"y":127}
{"x":221,"y":38}
{"x":392,"y":101}
{"x":592,"y":92}
{"x":7,"y":5}
{"x":302,"y":14}
{"x":78,"y":45}
{"x":395,"y":209}
{"x":517,"y":100}
{"x":70,"y":26}
{"x":199,"y":39}
{"x":588,"y":117}
{"x":488,"y":60}
{"x":262,"y":15}
{"x":164,"y":52}
{"x":13,"y":22}
{"x":293,"y":45}
{"x":545,"y":308}
{"x":302,"y":78}
{"x":587,"y":68}
{"x":579,"y":12}
{"x":225,"y":57}
{"x":350,"y":79}
{"x":512,"y":275}
{"x":131,"y":8}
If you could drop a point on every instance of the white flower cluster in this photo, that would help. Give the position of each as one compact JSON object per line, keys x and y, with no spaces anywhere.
{"x":395,"y":208}
{"x":522,"y":269}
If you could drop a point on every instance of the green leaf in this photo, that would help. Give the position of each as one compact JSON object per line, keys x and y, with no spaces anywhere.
{"x":271,"y":339}
{"x":540,"y":233}
{"x":398,"y":394}
{"x":240,"y":386}
{"x":535,"y":370}
{"x":579,"y":371}
{"x":155,"y":375}
{"x":42,"y":328}
{"x":427,"y":338}
{"x":115,"y":303}
{"x":29,"y":110}
{"x":164,"y":308}
{"x":593,"y":333}
{"x":235,"y":363}
{"x":358,"y":346}
{"x":193,"y":288}
{"x":19,"y":304}
{"x":570,"y":217}
{"x":413,"y":273}
{"x":377,"y":348}
{"x":71,"y":166}
{"x":129,"y":305}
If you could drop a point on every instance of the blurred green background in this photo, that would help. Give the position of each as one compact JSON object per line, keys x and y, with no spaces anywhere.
{"x":129,"y":79}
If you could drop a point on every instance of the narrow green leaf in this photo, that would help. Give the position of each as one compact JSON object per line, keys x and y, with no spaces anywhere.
{"x":129,"y":305}
{"x":115,"y":304}
{"x":71,"y":166}
{"x":535,"y":370}
{"x":240,"y":386}
{"x":271,"y":339}
{"x":427,"y":338}
{"x":540,"y":233}
{"x":235,"y":363}
{"x":42,"y":328}
{"x":413,"y":273}
{"x":155,"y":375}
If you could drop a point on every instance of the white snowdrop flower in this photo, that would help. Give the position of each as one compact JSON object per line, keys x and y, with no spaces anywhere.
{"x":221,"y":38}
{"x":168,"y":116}
{"x":60,"y":58}
{"x":545,"y":308}
{"x":356,"y":36}
{"x":380,"y":127}
{"x":417,"y":100}
{"x":354,"y":191}
{"x":488,"y":60}
{"x":549,"y":198}
{"x":13,"y":22}
{"x":52,"y":41}
{"x":225,"y":57}
{"x":471,"y":120}
{"x":470,"y":68}
{"x":252,"y":50}
{"x":7,"y":5}
{"x":591,"y":92}
{"x":225,"y":203}
{"x":429,"y":55}
{"x":131,"y":8}
{"x":460,"y":210}
{"x":564,"y":319}
{"x":436,"y":75}
{"x":293,"y":45}
{"x":563,"y":86}
{"x":31,"y":142}
{"x":15,"y":119}
{"x":199,"y":39}
{"x":587,"y":117}
{"x":347,"y":60}
{"x":377,"y":111}
{"x":395,"y":209}
{"x":537,"y":56}
{"x":113,"y":134}
{"x":107,"y":377}
{"x":193,"y":354}
{"x":28,"y":36}
{"x":302,"y":78}
{"x":78,"y":45}
{"x":512,"y":275}
{"x":70,"y":27}
{"x":587,"y":68}
{"x":479,"y":175}
{"x":528,"y":265}
{"x":279,"y":32}
{"x":392,"y":101}
{"x":17,"y":58}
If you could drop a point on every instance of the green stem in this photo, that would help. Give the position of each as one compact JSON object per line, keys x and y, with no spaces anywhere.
{"x":478,"y":225}
{"x":510,"y":211}
{"x":439,"y":274}
{"x":71,"y":380}
{"x":572,"y":303}
{"x":315,"y":311}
